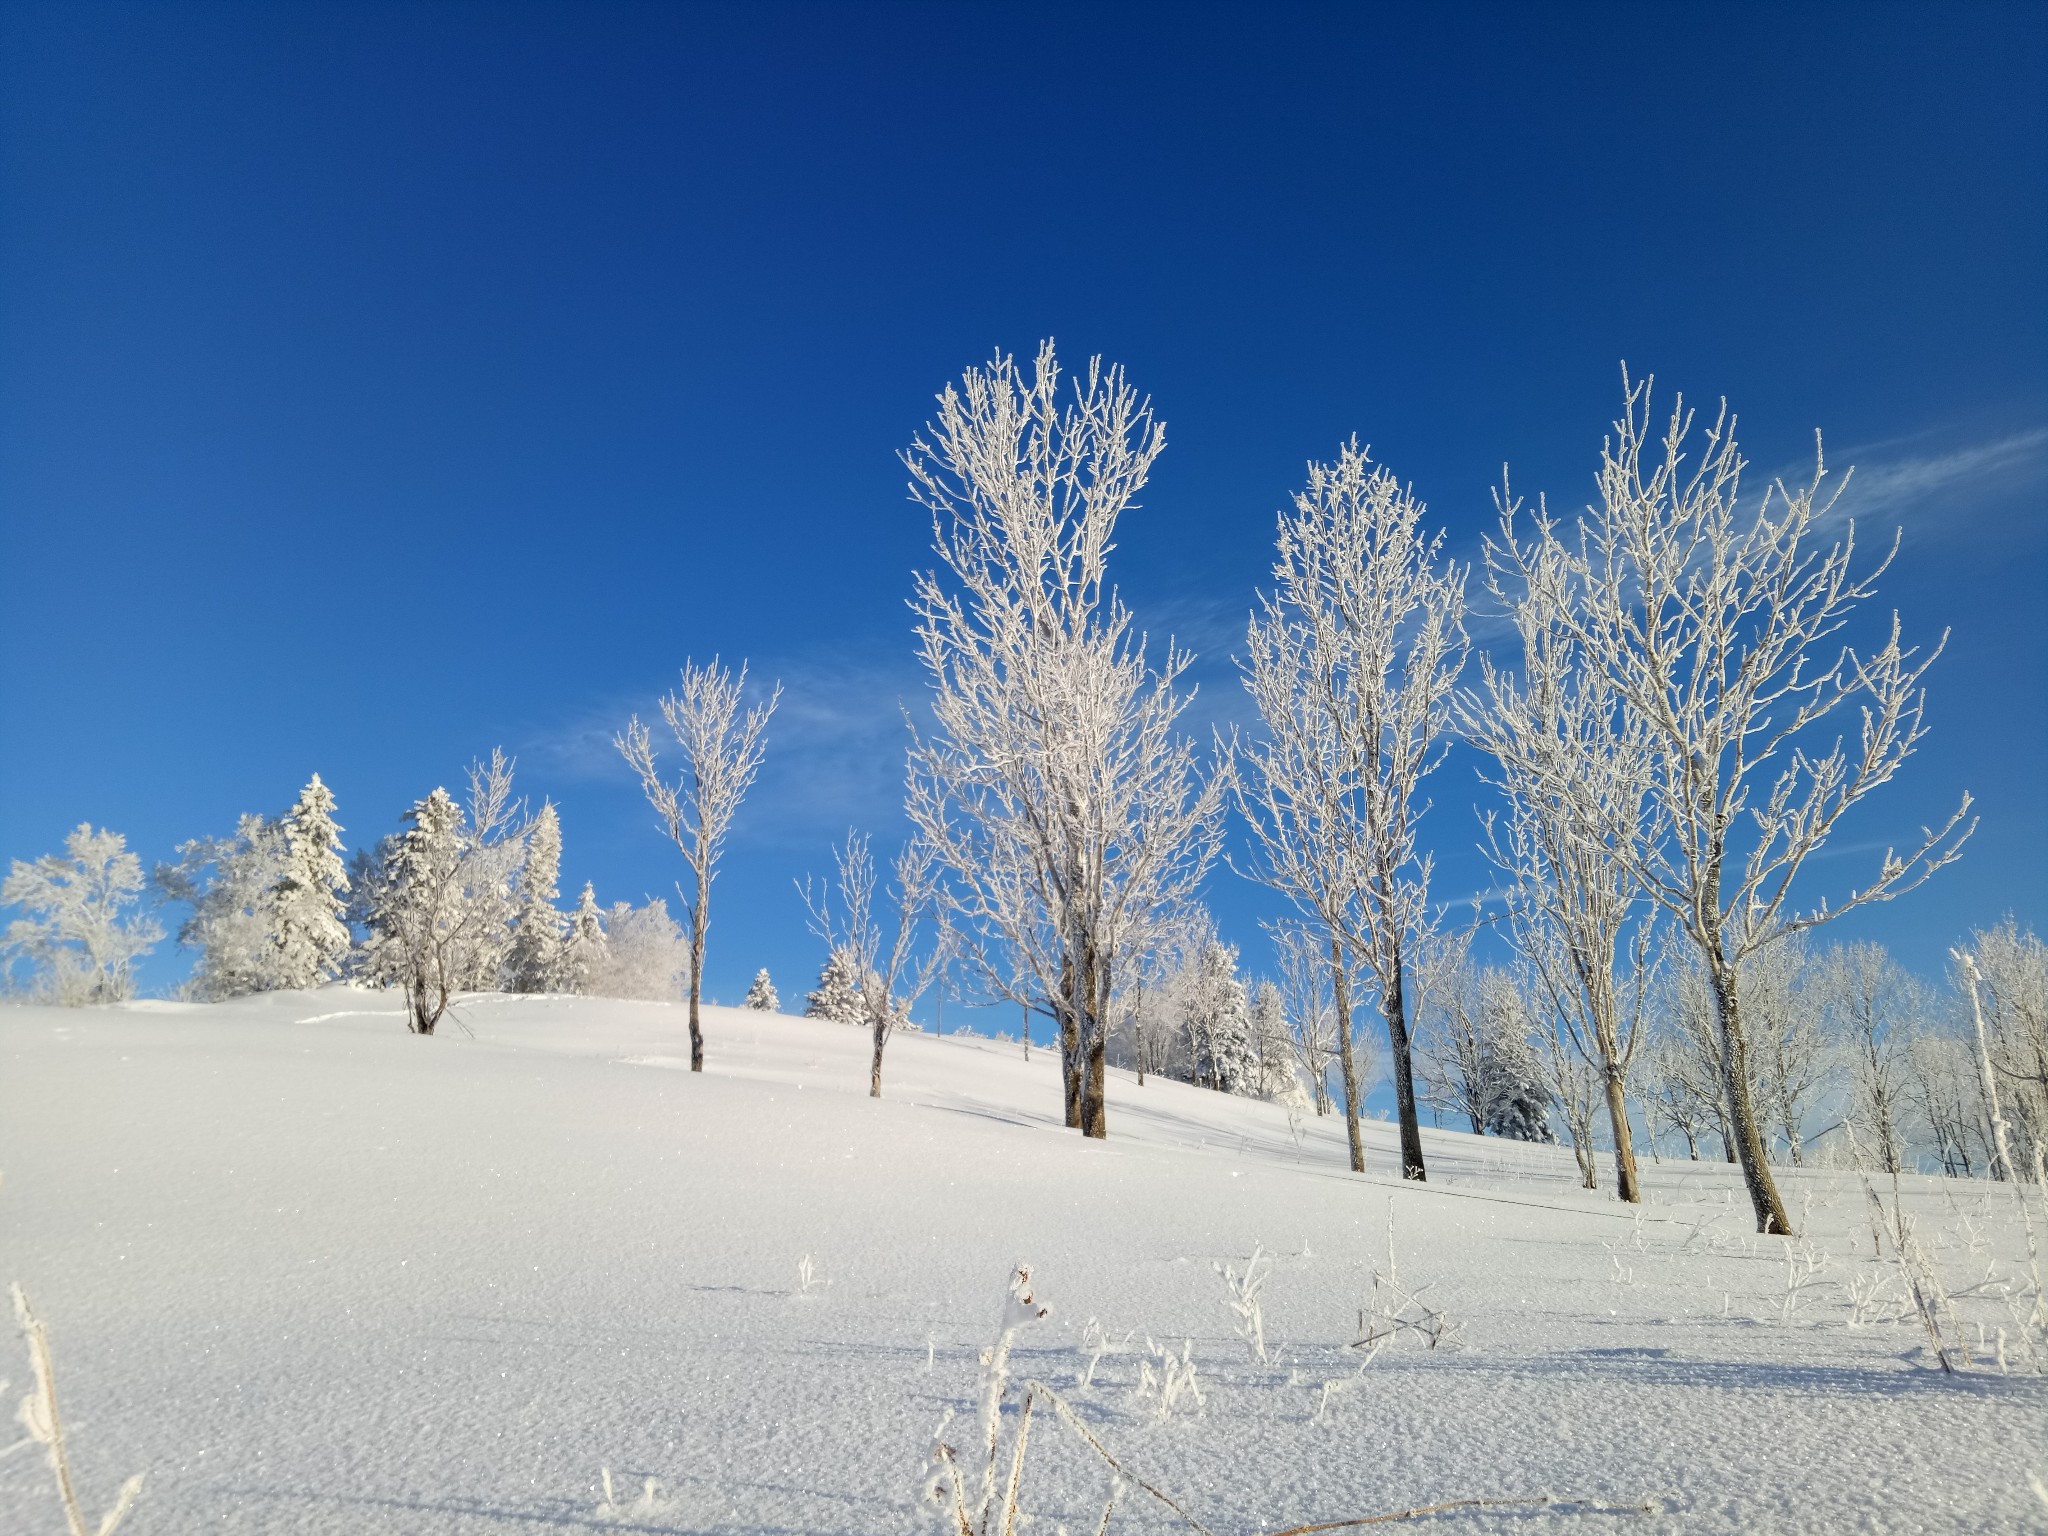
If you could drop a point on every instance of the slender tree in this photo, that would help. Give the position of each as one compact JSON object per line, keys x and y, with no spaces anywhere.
{"x":721,"y":747}
{"x":1052,"y":786}
{"x":1353,"y":660}
{"x":882,"y":948}
{"x":1708,"y":622}
{"x":1575,"y":768}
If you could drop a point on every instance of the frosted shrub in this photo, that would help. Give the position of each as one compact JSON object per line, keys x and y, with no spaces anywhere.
{"x":1095,"y":1344}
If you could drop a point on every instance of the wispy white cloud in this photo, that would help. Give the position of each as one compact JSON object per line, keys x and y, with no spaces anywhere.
{"x":1925,"y":492}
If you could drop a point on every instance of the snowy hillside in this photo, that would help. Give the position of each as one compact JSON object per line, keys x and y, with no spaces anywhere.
{"x":309,"y":1273}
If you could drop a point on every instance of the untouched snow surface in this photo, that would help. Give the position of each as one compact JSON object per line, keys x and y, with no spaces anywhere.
{"x":311,"y":1274}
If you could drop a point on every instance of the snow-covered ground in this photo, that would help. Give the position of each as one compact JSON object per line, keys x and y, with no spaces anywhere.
{"x":311,"y":1274}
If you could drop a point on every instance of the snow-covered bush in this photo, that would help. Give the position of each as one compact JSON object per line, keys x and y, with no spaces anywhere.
{"x":645,"y":955}
{"x":80,"y":945}
{"x":231,"y":884}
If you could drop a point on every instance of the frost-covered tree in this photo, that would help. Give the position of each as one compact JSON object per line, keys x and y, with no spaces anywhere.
{"x":74,"y":931}
{"x":233,"y":886}
{"x":538,"y":938}
{"x":1352,"y":662}
{"x":1474,"y":1044}
{"x":583,"y":950}
{"x":1870,"y":1006}
{"x":493,"y":852}
{"x":645,"y":955}
{"x":878,"y":931}
{"x":2009,"y":968}
{"x":1789,"y":1045}
{"x":1306,"y":1000}
{"x":1215,"y":1020}
{"x":1053,"y":787}
{"x":837,"y":994}
{"x":761,"y":995}
{"x":1573,"y":764}
{"x":309,"y":926}
{"x":418,"y":917}
{"x":1273,"y":1046}
{"x":1708,"y":618}
{"x":721,"y":747}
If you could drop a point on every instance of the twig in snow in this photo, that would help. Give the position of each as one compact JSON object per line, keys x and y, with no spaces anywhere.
{"x":38,"y":1415}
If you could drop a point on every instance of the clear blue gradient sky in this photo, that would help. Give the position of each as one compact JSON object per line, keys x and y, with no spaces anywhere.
{"x":379,"y":384}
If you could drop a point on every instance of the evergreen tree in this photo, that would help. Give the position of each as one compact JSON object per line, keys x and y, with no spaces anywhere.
{"x":1217,"y":1017}
{"x":583,"y":955}
{"x":838,"y":995}
{"x":307,"y":905}
{"x":1517,"y":1099}
{"x":537,"y":942}
{"x":761,"y":995}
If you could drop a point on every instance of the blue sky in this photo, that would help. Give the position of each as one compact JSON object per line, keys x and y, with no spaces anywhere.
{"x":379,"y":384}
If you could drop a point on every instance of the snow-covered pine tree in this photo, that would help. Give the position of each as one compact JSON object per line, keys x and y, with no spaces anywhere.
{"x":231,"y":884}
{"x":837,"y":996}
{"x":1273,"y":1047}
{"x":1217,"y":1017}
{"x":1518,"y":1099}
{"x":537,"y":941}
{"x":308,"y":903}
{"x":761,"y":995}
{"x":583,"y":953}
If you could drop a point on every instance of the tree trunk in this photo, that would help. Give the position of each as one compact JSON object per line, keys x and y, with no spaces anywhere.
{"x":1626,"y":1183}
{"x":1404,"y":1079}
{"x":700,"y":917}
{"x":1138,"y":1032}
{"x":1771,"y":1216}
{"x":1342,"y":985}
{"x":875,"y":1071}
{"x":1094,"y":1049}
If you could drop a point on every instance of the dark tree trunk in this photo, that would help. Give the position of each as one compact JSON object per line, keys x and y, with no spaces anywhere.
{"x":1404,"y":1079}
{"x":1342,"y":988}
{"x":698,"y":916}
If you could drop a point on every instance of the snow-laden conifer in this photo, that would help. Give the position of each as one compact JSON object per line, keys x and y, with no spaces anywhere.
{"x":537,"y":940}
{"x":837,"y":994}
{"x":310,"y":899}
{"x":1216,"y":1016}
{"x":80,"y":946}
{"x":761,"y":995}
{"x":232,"y":885}
{"x":583,"y":951}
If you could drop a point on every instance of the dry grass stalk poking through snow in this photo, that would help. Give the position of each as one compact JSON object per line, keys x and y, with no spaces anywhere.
{"x":38,"y":1415}
{"x":994,"y":1510}
{"x":1244,"y":1299}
